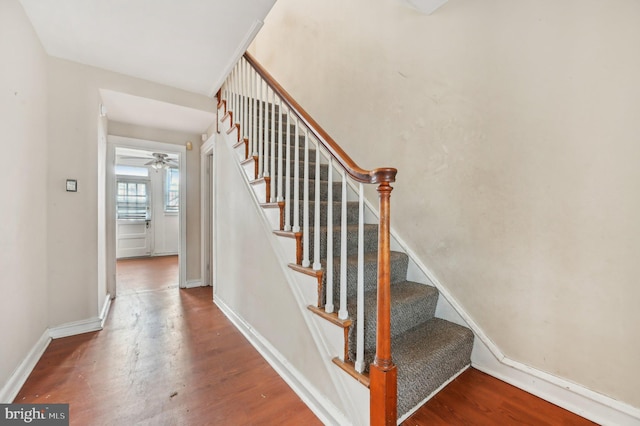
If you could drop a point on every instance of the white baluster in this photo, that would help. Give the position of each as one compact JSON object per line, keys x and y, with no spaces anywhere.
{"x":245,"y":93}
{"x":343,"y":313}
{"x":260,"y":129}
{"x":359,"y":365}
{"x":254,"y":104}
{"x":273,"y":148}
{"x":266,"y":132}
{"x":305,"y":203}
{"x":316,"y":219}
{"x":287,"y":180}
{"x":328,"y":307}
{"x":240,"y":98}
{"x":280,"y":196}
{"x":296,"y":180}
{"x":232,"y":88}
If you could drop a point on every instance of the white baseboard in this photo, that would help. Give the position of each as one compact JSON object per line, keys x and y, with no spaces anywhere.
{"x":104,"y":313}
{"x":591,"y":405}
{"x":76,"y":327}
{"x":193,"y":283}
{"x":320,"y":406}
{"x":10,"y":390}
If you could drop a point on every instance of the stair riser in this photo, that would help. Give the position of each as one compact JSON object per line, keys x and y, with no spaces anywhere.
{"x":398,"y":273}
{"x":370,"y":240}
{"x":291,"y":156}
{"x":324,"y":190}
{"x":324,"y":170}
{"x":352,"y":213}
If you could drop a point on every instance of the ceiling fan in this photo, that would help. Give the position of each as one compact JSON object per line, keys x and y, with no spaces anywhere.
{"x":160,"y":161}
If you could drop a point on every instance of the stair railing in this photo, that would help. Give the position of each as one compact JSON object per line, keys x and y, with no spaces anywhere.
{"x":275,"y":128}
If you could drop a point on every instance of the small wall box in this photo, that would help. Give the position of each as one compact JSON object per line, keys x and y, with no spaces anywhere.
{"x":72,"y":185}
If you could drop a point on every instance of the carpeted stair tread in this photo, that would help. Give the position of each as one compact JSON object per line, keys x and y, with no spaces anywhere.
{"x":427,"y":356}
{"x":411,"y":303}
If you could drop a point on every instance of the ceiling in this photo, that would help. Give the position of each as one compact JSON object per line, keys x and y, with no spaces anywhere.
{"x":155,"y":114}
{"x":187,"y":44}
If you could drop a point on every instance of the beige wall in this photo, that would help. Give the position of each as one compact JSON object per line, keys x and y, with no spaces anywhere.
{"x":514,"y":126}
{"x":193,"y":182}
{"x":72,"y":225}
{"x":23,"y":209}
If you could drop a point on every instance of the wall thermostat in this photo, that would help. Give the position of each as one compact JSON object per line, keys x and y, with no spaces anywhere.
{"x":72,"y":185}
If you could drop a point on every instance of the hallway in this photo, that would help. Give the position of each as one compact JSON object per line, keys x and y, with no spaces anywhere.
{"x":166,"y":357}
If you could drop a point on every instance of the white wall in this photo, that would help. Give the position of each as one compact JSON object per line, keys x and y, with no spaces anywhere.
{"x":72,"y":219}
{"x":23,"y":207}
{"x":514,"y":126}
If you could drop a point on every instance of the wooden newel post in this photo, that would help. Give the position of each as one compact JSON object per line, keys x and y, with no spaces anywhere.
{"x":383,"y":373}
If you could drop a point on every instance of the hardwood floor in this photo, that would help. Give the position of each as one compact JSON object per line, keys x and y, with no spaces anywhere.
{"x":166,"y":357}
{"x":146,"y":273}
{"x":170,"y":357}
{"x":475,"y":398}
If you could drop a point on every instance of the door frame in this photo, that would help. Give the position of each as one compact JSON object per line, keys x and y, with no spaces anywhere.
{"x":206,"y":211}
{"x":114,"y":142}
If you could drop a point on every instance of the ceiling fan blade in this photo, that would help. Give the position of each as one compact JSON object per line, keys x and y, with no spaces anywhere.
{"x":150,"y":162}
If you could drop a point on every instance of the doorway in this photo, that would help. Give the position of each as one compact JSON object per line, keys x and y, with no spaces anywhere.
{"x":145,"y":219}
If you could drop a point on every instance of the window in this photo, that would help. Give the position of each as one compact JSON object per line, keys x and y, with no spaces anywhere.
{"x":172,"y":190}
{"x":122,"y":170}
{"x":132,"y":200}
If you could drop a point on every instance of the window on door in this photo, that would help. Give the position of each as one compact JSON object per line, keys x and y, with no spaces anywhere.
{"x":132,"y":200}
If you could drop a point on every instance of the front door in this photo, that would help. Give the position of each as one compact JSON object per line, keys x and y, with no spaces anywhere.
{"x":133,"y":218}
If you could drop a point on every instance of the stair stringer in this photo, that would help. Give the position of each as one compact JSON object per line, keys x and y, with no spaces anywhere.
{"x":348,"y":401}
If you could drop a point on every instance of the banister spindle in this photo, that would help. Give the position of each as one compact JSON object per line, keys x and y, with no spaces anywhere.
{"x":241,"y":98}
{"x":267,"y":108}
{"x":316,"y":218}
{"x":328,"y":307}
{"x":280,"y":156}
{"x":260,"y":128}
{"x":296,"y":179}
{"x":359,"y":364}
{"x":305,"y":203}
{"x":383,"y":373}
{"x":343,"y":313}
{"x":273,"y":148}
{"x":287,"y":180}
{"x":254,"y":106}
{"x":245,"y":78}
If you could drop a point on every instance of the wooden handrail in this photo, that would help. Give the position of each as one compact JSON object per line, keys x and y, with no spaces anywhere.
{"x":379,"y":175}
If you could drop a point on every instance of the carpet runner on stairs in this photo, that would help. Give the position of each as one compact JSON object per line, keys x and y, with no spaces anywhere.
{"x":427,"y":350}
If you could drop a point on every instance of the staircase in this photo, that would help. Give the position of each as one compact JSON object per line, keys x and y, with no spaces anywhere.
{"x":362,"y":284}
